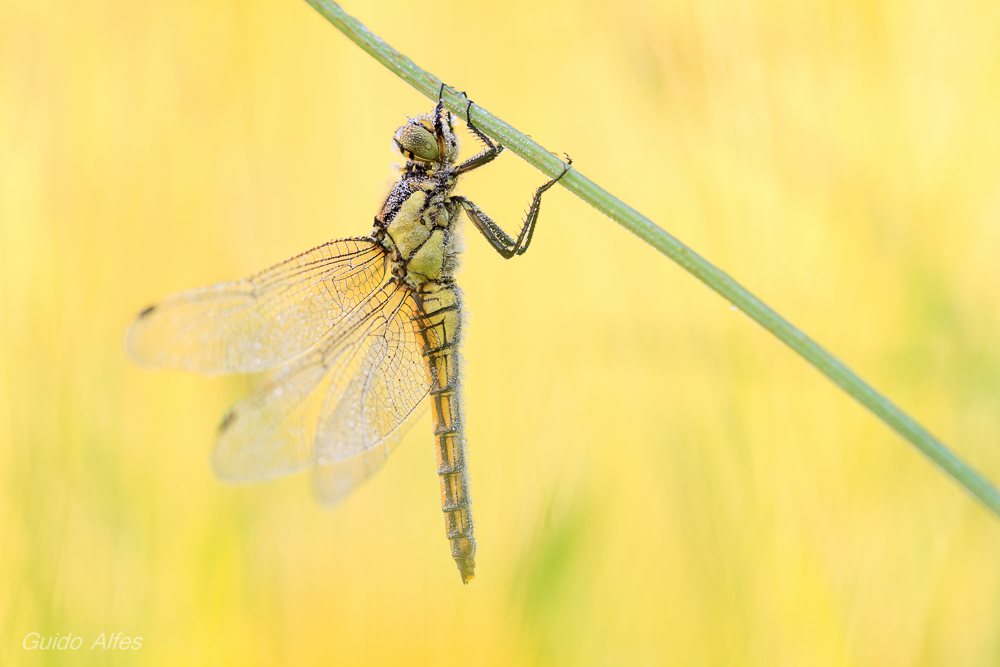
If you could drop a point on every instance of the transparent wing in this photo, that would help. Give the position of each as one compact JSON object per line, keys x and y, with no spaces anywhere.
{"x":261,"y":322}
{"x":336,"y":481}
{"x":342,"y":407}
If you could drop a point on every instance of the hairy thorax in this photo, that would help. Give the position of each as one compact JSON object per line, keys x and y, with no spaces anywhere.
{"x":416,"y":226}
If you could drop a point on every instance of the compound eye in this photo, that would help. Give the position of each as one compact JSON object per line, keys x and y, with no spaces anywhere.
{"x":417,"y":143}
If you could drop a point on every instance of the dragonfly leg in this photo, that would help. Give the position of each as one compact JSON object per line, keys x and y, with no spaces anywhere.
{"x":490,"y":153}
{"x":498,"y":238}
{"x":439,"y":112}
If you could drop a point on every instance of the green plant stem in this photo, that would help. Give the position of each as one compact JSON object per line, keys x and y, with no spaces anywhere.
{"x":645,"y":229}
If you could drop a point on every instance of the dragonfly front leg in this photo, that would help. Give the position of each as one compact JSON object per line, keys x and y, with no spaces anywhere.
{"x":492,"y":151}
{"x":498,"y":238}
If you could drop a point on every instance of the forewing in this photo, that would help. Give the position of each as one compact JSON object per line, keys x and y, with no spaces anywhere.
{"x":343,"y":407}
{"x":261,"y":322}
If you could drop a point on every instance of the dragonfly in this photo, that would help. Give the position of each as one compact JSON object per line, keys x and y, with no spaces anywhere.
{"x":357,"y":336}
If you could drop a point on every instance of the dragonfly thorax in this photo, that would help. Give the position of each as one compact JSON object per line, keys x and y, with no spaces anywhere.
{"x":416,"y":227}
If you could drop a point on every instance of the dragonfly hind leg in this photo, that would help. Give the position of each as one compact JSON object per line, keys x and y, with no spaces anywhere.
{"x":497,"y":237}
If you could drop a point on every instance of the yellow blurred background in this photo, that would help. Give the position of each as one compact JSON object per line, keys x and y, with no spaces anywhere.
{"x":656,"y":480}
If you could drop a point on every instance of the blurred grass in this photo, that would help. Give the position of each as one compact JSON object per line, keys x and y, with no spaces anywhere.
{"x":656,"y":481}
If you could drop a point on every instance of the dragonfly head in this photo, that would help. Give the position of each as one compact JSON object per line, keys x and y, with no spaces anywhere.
{"x":418,"y":141}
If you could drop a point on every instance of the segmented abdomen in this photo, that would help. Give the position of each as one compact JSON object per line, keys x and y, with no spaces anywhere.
{"x":439,"y":330}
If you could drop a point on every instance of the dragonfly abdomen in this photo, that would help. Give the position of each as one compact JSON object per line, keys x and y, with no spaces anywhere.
{"x":440,"y":332}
